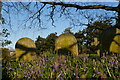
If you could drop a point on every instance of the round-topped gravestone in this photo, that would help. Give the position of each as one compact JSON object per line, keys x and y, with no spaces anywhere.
{"x":25,"y":49}
{"x":110,"y":40}
{"x":67,"y":41}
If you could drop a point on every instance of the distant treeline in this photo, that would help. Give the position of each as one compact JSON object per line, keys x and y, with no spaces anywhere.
{"x":89,"y":40}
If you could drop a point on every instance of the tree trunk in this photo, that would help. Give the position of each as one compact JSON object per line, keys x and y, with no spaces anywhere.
{"x":118,"y":20}
{"x":0,"y":10}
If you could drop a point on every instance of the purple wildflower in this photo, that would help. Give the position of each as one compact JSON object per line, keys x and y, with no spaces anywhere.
{"x":53,"y":70}
{"x":43,"y":70}
{"x":76,"y":74}
{"x":28,"y":77}
{"x":10,"y":69}
{"x":93,"y":75}
{"x":61,"y":64}
{"x":33,"y":71}
{"x":37,"y":64}
{"x":6,"y":67}
{"x":110,"y":68}
{"x":113,"y":62}
{"x":116,"y":67}
{"x":85,"y":58}
{"x":40,"y":74}
{"x":98,"y":72}
{"x":115,"y":57}
{"x":71,"y":69}
{"x":118,"y":76}
{"x":63,"y":74}
{"x":28,"y":73}
{"x":55,"y":66}
{"x":85,"y":67}
{"x":61,"y":78}
{"x":61,"y":71}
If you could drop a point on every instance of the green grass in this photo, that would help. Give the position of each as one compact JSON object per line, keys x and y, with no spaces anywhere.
{"x":49,"y":65}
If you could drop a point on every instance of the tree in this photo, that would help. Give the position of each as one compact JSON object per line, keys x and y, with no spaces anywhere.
{"x":0,"y":10}
{"x":78,"y":7}
{"x":4,"y":34}
{"x":50,"y":41}
{"x":40,"y":44}
{"x":46,"y":44}
{"x":1,"y":18}
{"x":59,"y":9}
{"x":94,"y":32}
{"x":67,"y":10}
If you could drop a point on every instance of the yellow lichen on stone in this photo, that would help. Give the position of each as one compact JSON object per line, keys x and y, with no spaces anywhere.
{"x":25,"y":49}
{"x":115,"y":45}
{"x":67,"y":41}
{"x":110,"y":40}
{"x":95,"y":42}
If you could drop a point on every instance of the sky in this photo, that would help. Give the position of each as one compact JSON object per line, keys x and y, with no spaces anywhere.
{"x":64,"y":0}
{"x":18,"y":30}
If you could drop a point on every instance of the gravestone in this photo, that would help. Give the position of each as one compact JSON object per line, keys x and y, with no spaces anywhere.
{"x":67,"y":41}
{"x":25,"y":49}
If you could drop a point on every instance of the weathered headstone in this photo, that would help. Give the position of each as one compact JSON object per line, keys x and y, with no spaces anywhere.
{"x":25,"y":49}
{"x":115,"y":45}
{"x":110,"y":40}
{"x":96,"y":43}
{"x":67,"y":41}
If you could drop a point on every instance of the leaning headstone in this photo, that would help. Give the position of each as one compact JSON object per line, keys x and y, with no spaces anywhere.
{"x":25,"y":49}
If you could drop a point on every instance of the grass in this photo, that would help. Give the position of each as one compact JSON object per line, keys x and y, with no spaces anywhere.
{"x":62,"y":67}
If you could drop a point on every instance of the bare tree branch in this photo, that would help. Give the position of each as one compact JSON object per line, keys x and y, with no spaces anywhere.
{"x":0,"y":10}
{"x":83,"y":7}
{"x":63,"y":9}
{"x":25,"y":6}
{"x":52,"y":14}
{"x":38,"y":11}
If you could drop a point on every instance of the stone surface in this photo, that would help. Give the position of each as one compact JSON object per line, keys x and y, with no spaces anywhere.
{"x":67,"y":41}
{"x":25,"y":49}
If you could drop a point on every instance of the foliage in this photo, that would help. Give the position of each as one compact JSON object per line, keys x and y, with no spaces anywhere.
{"x":44,"y":44}
{"x":84,"y":37}
{"x":110,"y":40}
{"x":59,"y":67}
{"x":94,"y":30}
{"x":5,"y":53}
{"x":50,"y":41}
{"x":4,"y":34}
